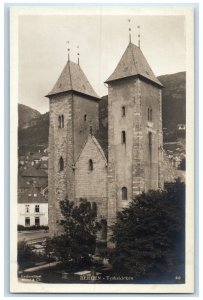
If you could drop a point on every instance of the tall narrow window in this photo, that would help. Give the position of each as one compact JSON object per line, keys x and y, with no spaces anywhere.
{"x":61,"y":164}
{"x":90,"y":165}
{"x":59,"y":121}
{"x":123,"y":137}
{"x":150,"y":144}
{"x":151,"y":114}
{"x":37,"y":208}
{"x":124,"y":193}
{"x":62,"y":121}
{"x":85,"y":118}
{"x":123,"y":111}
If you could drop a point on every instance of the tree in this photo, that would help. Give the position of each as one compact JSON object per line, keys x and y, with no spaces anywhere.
{"x":78,"y":239}
{"x":149,"y":235}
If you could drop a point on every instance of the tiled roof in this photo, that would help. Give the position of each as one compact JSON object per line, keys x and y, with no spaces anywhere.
{"x":33,"y":172}
{"x":36,"y":156}
{"x":32,"y":196}
{"x":133,"y":63}
{"x":73,"y":78}
{"x":22,"y":182}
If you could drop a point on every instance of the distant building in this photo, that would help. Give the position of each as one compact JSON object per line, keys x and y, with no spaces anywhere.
{"x":34,"y":176}
{"x":32,"y":208}
{"x":33,"y":197}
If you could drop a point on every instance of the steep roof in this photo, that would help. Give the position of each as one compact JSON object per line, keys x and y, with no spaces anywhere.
{"x":73,"y":78}
{"x":133,"y":63}
{"x":22,"y":182}
{"x":32,"y":196}
{"x":96,"y":143}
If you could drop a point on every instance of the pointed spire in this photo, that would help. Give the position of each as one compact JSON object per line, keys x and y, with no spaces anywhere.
{"x":133,"y":63}
{"x":129,"y":20}
{"x":72,"y":78}
{"x":78,"y":54}
{"x":68,"y":50}
{"x":138,"y":27}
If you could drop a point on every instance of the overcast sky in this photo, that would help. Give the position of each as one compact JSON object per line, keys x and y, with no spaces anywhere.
{"x":102,"y":41}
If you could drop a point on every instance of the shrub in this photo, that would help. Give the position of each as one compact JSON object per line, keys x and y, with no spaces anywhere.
{"x":33,"y":227}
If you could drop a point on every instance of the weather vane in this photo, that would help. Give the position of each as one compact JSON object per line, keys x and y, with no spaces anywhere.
{"x":78,"y":54}
{"x":68,"y":50}
{"x":129,"y":20}
{"x":138,"y":27}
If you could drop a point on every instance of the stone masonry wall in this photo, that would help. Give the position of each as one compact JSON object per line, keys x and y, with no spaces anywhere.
{"x":61,"y":183}
{"x":84,"y":106}
{"x":150,"y":98}
{"x":138,"y":166}
{"x":67,"y":143}
{"x":120,"y":155}
{"x":92,"y":185}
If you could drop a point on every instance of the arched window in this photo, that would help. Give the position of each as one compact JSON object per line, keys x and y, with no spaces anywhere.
{"x":90,"y":165}
{"x":123,"y":111}
{"x":62,"y":121}
{"x":61,"y":164}
{"x":150,"y":144}
{"x":149,"y":114}
{"x":85,"y":118}
{"x":124,"y":193}
{"x":123,"y":137}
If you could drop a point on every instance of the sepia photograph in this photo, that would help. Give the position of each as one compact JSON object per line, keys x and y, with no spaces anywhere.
{"x":102,"y":196}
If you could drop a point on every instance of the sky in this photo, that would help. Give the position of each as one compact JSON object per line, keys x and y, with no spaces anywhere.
{"x":102,"y":39}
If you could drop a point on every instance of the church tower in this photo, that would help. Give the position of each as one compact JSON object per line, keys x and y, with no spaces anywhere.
{"x":73,"y":114}
{"x":134,"y":130}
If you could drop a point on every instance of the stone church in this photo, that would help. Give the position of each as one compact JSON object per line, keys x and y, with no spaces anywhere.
{"x":80,"y":166}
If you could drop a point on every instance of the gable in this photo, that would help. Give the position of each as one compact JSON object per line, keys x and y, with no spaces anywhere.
{"x":91,"y":172}
{"x":91,"y":150}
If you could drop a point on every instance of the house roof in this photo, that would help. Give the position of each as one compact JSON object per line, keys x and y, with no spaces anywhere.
{"x":133,"y":63}
{"x":36,"y":156}
{"x":33,"y":172}
{"x":32,"y":196}
{"x":43,"y":165}
{"x":22,"y":182}
{"x":73,"y":78}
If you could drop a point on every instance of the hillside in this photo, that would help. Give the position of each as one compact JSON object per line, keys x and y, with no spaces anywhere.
{"x":25,"y":115}
{"x":173,"y":100}
{"x":34,"y":137}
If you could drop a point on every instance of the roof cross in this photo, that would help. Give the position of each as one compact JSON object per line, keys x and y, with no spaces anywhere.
{"x":68,"y":50}
{"x":78,"y":54}
{"x":129,"y":20}
{"x":138,"y":27}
